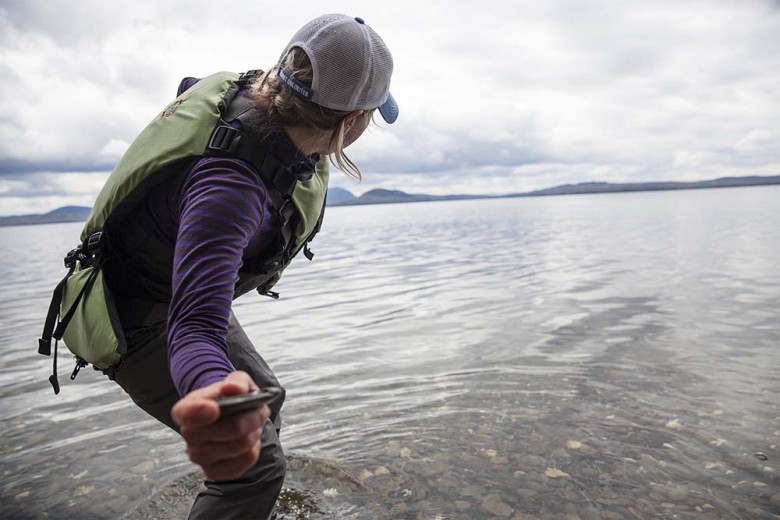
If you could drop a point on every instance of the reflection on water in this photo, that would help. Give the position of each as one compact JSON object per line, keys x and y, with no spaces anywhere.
{"x":605,"y":356}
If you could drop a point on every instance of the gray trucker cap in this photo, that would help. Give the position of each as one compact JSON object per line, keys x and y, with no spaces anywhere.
{"x":351,"y":64}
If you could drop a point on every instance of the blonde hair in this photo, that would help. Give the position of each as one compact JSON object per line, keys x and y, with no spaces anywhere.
{"x":286,"y":109}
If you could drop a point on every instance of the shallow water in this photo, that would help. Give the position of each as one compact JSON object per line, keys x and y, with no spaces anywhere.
{"x":600,"y":356}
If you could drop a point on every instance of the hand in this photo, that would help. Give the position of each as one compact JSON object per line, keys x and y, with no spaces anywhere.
{"x":224,"y":449}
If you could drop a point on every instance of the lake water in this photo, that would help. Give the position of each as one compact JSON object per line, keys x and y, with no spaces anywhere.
{"x":598,"y":356}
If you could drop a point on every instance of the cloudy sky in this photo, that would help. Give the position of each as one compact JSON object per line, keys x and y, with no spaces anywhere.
{"x":495,"y":96}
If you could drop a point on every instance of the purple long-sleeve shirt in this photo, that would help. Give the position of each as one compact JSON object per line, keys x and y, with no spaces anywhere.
{"x":210,"y":218}
{"x":221,"y":209}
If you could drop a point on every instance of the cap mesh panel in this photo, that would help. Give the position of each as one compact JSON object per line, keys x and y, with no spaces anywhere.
{"x":352,"y":65}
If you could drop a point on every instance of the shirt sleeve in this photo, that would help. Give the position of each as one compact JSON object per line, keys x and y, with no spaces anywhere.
{"x":221,"y":208}
{"x":185,"y":84}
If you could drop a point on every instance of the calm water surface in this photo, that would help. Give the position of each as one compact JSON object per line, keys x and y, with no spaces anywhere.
{"x":602,"y":356}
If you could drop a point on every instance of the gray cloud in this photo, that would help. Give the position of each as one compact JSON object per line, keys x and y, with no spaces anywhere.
{"x":504,"y":96}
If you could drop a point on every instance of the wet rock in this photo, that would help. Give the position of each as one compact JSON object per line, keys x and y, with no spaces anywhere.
{"x":533,"y":461}
{"x":526,"y":493}
{"x":462,"y":505}
{"x":642,"y":503}
{"x":495,"y":506}
{"x":677,"y":493}
{"x":775,"y":500}
{"x":430,"y":469}
{"x":387,"y":485}
{"x":447,"y":485}
{"x":471,"y":491}
{"x":555,"y":473}
{"x":674,"y":424}
{"x":574,"y":445}
{"x":84,"y":490}
{"x":499,"y":460}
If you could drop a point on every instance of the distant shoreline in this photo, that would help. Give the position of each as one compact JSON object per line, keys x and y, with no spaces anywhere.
{"x":382,"y":196}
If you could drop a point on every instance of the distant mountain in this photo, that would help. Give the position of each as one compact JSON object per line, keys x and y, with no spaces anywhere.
{"x":605,"y":187}
{"x":64,"y":214}
{"x":342,"y":197}
{"x":382,"y":196}
{"x":338,"y":195}
{"x":78,"y":212}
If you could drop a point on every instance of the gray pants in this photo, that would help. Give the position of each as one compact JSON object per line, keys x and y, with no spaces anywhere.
{"x":145,"y":377}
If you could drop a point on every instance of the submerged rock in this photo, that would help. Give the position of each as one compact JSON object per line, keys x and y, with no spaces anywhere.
{"x":555,"y":473}
{"x":495,"y":506}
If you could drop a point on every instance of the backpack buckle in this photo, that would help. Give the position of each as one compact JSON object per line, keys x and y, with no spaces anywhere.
{"x":93,"y":242}
{"x":224,"y":139}
{"x":72,"y":257}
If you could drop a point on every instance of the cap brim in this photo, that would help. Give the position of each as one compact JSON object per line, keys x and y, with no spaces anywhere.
{"x":389,"y":109}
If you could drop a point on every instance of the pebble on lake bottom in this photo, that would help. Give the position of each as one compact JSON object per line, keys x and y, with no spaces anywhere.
{"x":555,"y":473}
{"x":495,"y":506}
{"x":674,"y":424}
{"x":462,"y":505}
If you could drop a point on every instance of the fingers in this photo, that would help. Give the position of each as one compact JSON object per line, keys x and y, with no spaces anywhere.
{"x":236,"y":383}
{"x":243,"y":451}
{"x":193,"y":411}
{"x":229,"y":469}
{"x":227,"y":430}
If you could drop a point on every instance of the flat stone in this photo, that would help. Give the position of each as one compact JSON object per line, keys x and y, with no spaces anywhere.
{"x":462,"y":505}
{"x":677,"y":493}
{"x":495,"y":506}
{"x":526,"y":493}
